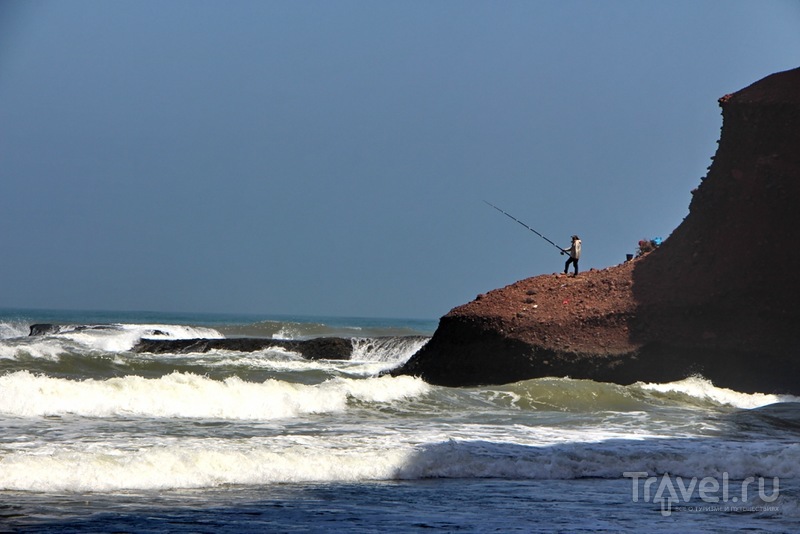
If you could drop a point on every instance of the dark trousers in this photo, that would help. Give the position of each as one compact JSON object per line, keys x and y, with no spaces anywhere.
{"x":571,"y":260}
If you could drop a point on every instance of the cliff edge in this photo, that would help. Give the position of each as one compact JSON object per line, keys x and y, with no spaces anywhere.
{"x":718,"y":298}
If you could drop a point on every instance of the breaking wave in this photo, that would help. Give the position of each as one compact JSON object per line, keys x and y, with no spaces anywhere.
{"x":191,"y":396}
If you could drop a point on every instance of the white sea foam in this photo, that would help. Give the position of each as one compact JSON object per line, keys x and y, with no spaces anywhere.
{"x":122,"y":337}
{"x":273,"y":358}
{"x":191,"y":464}
{"x":608,"y":459}
{"x":13,"y":330}
{"x":282,"y":361}
{"x":93,"y":339}
{"x":208,"y":462}
{"x":287,"y":332}
{"x":370,"y":357}
{"x":703,"y":389}
{"x":393,"y":350}
{"x":191,"y":396}
{"x":46,"y":349}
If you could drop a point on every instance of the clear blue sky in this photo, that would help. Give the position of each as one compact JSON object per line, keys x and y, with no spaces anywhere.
{"x":331,"y":157}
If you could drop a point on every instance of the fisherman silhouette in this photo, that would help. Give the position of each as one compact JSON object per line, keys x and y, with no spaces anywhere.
{"x":574,"y":252}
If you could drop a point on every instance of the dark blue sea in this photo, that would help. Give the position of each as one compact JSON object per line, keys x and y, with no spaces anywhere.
{"x":97,"y":437}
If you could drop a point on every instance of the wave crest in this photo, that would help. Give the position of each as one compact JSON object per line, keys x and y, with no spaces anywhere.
{"x":188,"y":395}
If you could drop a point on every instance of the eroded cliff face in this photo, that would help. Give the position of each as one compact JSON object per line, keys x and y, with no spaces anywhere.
{"x":718,"y":298}
{"x":734,"y":255}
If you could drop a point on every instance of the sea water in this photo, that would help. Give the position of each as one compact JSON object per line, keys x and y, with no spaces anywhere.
{"x":95,"y":437}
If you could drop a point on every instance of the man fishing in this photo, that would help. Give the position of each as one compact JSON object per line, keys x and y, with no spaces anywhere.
{"x":574,"y":252}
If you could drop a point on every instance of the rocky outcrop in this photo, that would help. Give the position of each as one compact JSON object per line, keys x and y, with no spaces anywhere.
{"x":718,"y":298}
{"x":46,"y":329}
{"x":324,"y":348}
{"x":43,"y":329}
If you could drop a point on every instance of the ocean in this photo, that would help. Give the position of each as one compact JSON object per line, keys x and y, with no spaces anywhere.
{"x":95,"y":437}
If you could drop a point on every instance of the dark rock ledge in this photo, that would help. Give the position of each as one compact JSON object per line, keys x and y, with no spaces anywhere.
{"x":324,"y":348}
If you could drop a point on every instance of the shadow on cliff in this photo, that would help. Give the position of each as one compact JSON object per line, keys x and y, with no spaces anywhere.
{"x":720,"y":295}
{"x":737,"y":339}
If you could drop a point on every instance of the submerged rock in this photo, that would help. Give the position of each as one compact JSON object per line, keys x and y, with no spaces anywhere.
{"x":43,"y":329}
{"x":718,"y":298}
{"x":327,"y":348}
{"x":46,"y":329}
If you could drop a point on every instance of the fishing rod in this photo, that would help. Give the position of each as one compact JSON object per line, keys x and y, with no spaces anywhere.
{"x":525,"y":225}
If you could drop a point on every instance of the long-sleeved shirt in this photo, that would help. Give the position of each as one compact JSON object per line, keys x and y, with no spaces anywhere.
{"x":575,"y":250}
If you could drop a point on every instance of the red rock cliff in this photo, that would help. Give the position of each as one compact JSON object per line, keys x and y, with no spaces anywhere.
{"x":718,"y":298}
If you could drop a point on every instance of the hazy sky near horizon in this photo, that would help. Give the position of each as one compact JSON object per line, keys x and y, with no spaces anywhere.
{"x":332,"y":157}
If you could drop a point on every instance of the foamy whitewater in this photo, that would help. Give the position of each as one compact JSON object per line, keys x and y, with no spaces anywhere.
{"x":95,"y":437}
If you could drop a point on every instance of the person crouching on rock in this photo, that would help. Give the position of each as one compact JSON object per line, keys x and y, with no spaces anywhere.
{"x":574,"y":252}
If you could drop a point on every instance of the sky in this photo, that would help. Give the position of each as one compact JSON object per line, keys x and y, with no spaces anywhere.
{"x":333,"y":157}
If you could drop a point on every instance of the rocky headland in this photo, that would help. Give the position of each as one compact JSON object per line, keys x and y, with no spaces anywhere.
{"x":718,"y":298}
